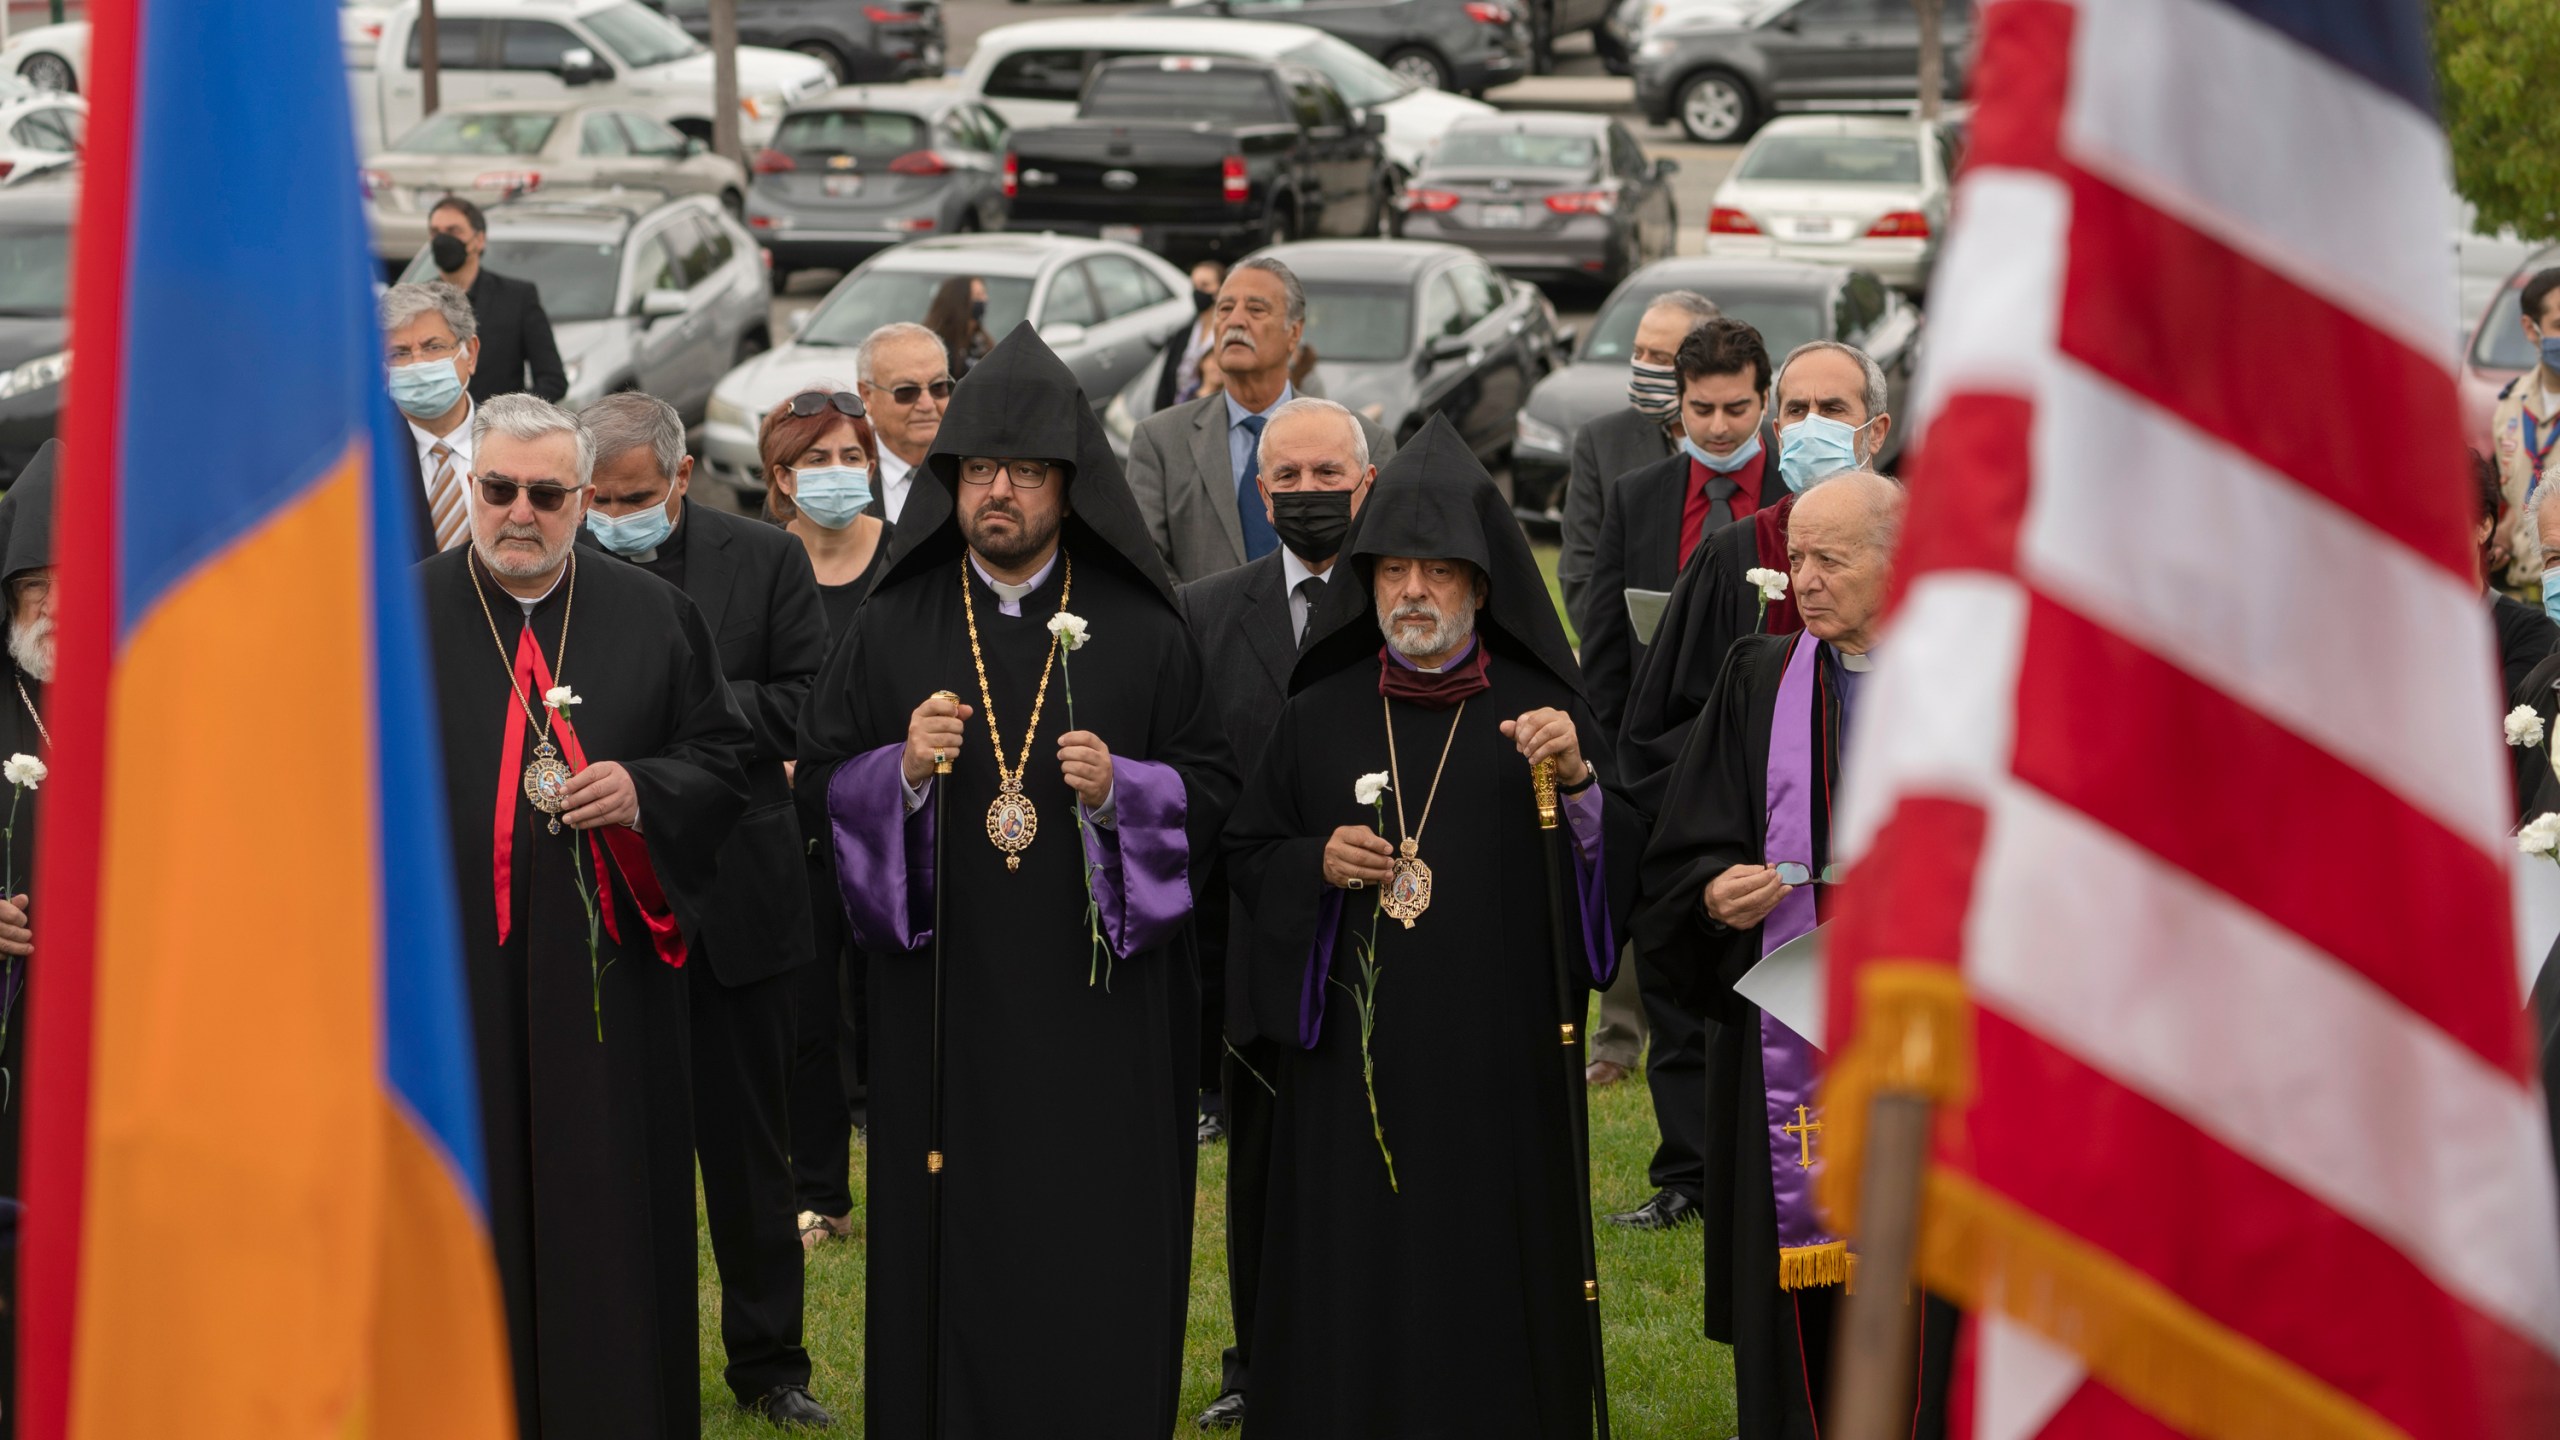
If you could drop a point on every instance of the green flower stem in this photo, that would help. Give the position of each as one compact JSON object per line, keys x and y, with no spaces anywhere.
{"x":596,"y":963}
{"x":1364,"y":998}
{"x":1100,"y":964}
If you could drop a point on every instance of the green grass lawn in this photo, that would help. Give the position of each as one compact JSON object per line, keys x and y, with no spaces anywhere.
{"x":1666,"y":1382}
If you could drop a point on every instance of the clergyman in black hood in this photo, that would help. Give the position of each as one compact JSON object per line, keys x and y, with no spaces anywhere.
{"x":1090,"y":778}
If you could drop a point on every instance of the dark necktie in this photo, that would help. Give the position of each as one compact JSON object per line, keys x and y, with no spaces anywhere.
{"x":1259,"y":538}
{"x":1720,"y":490}
{"x":1310,"y":590}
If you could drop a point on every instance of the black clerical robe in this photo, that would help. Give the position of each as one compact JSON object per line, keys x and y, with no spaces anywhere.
{"x":1451,"y":1305}
{"x":1069,"y":1107}
{"x":584,"y":1088}
{"x":20,"y":735}
{"x":1715,"y":815}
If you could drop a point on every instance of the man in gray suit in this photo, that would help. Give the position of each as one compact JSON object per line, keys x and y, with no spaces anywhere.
{"x":1620,"y":443}
{"x":1193,"y":467}
{"x":1625,"y":441}
{"x":1312,"y":474}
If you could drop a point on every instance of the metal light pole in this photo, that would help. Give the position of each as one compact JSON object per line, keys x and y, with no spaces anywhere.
{"x":1933,"y":57}
{"x":724,"y":79}
{"x":430,"y":58}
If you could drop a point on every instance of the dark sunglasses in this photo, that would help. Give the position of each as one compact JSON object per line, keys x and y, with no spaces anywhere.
{"x":810,"y":402}
{"x":907,"y":394}
{"x":499,"y":493}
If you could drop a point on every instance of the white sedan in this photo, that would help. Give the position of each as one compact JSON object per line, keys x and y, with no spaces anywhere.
{"x":41,"y":131}
{"x":49,"y":57}
{"x":1866,"y":191}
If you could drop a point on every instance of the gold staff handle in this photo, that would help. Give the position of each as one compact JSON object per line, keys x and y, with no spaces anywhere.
{"x":1542,"y":779}
{"x":942,"y":762}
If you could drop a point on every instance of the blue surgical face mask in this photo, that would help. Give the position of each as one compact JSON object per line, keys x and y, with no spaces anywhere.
{"x":1743,"y":454}
{"x":637,"y":533}
{"x":832,"y":495}
{"x":1816,"y":447}
{"x":2551,"y":593}
{"x":427,"y":389}
{"x":2551,"y":353}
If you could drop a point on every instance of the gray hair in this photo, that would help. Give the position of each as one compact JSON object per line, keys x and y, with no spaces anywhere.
{"x":1287,"y":277}
{"x":893,"y":331}
{"x":1875,"y":396}
{"x":1697,"y":307}
{"x":627,"y":420}
{"x":1310,"y":405}
{"x":530,"y":417}
{"x":403,"y":303}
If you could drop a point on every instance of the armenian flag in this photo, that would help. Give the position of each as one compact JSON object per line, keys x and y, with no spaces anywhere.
{"x":255,"y":1189}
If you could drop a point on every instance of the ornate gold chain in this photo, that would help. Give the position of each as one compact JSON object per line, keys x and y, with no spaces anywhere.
{"x":1409,"y":888}
{"x":1011,"y":821}
{"x":29,"y":701}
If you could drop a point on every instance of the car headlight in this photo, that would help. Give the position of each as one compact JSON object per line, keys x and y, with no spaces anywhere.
{"x":1653,"y":48}
{"x":1537,"y":434}
{"x":724,"y":411}
{"x":36,"y":374}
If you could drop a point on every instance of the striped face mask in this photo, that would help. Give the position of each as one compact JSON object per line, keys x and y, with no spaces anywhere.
{"x":1654,"y":390}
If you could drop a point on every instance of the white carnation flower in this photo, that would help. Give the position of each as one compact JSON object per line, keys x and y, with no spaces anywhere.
{"x":23,"y":770}
{"x":1069,"y":629}
{"x":560,"y":697}
{"x":2524,"y":727}
{"x":1772,"y":583}
{"x":1369,"y":787}
{"x":2540,"y":835}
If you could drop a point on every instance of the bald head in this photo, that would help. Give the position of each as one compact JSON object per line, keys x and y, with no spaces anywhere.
{"x":1840,"y":541}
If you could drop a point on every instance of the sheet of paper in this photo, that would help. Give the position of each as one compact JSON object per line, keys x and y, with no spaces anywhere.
{"x":2533,"y":887}
{"x":1788,"y":983}
{"x":1644,"y":612}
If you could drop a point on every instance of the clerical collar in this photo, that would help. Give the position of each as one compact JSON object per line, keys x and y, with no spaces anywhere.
{"x":556,"y":577}
{"x":1009,"y":597}
{"x":1855,"y":664}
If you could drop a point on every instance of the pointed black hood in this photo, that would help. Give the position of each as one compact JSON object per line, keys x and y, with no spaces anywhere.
{"x":1434,"y":500}
{"x":1022,"y":402}
{"x":26,"y":516}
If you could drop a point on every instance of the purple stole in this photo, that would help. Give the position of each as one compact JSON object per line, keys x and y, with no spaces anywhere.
{"x":1808,"y":1254}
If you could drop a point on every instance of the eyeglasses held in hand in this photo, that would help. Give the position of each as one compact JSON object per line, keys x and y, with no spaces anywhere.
{"x":1791,"y":873}
{"x":810,"y":402}
{"x":1026,"y":474}
{"x":908,"y":394}
{"x":498,"y":492}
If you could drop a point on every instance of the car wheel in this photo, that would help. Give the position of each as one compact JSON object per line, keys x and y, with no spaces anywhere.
{"x":1277,"y":231}
{"x":47,"y":71}
{"x":1542,"y":37}
{"x":1715,"y":107}
{"x":1420,"y":66}
{"x":968,"y":223}
{"x":825,"y":54}
{"x":781,"y":280}
{"x":735,"y":204}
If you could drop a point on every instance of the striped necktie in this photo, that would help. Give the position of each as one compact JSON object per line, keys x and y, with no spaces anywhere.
{"x":444,"y":499}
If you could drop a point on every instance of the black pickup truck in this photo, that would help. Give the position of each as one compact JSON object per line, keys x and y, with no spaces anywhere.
{"x":1198,"y":156}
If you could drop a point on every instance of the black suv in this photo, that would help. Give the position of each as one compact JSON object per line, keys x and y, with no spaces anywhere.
{"x":861,"y":40}
{"x":1725,"y":71}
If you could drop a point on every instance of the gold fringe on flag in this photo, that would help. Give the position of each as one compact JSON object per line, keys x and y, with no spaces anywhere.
{"x":1807,"y":1267}
{"x":1915,"y":1034}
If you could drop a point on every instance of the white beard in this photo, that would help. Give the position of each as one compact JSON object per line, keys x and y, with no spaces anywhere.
{"x":32,"y":647}
{"x":1447,"y":633}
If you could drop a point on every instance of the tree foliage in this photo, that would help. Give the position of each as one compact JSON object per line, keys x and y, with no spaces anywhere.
{"x":2498,"y":85}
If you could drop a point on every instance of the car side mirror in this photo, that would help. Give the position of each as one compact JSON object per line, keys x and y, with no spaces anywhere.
{"x":1665,"y":167}
{"x":1446,"y":347}
{"x":693,"y":145}
{"x":659,"y":304}
{"x":580,"y":66}
{"x":1566,"y":335}
{"x":1059,"y":333}
{"x":1786,"y":22}
{"x":1373,"y":122}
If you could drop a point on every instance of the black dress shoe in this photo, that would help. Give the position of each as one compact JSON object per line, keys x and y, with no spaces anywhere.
{"x":1224,"y":1413}
{"x":1667,"y":1210}
{"x":790,"y":1407}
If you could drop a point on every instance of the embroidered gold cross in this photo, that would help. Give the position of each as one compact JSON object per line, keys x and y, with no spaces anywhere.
{"x":1803,"y":1131}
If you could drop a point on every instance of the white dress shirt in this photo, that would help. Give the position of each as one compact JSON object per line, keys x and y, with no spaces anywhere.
{"x":459,"y":442}
{"x":896,"y":476}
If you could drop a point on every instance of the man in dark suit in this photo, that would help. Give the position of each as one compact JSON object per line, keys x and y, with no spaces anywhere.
{"x":1192,"y":467}
{"x":1621,"y":442}
{"x":516,"y":348}
{"x":1653,"y":521}
{"x":759,"y":598}
{"x":1314,"y":471}
{"x":1178,"y":369}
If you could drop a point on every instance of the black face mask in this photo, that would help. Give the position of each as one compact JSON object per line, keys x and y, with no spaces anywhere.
{"x":449,"y":252}
{"x":1311,"y":522}
{"x":977,"y":309}
{"x":1201,"y":300}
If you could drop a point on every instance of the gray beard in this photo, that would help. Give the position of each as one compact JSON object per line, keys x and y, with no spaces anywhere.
{"x":513,"y":568}
{"x":1447,"y":632}
{"x":32,"y":647}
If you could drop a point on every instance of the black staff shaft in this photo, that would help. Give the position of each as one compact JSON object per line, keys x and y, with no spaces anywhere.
{"x":933,"y":1123}
{"x":1570,"y":1008}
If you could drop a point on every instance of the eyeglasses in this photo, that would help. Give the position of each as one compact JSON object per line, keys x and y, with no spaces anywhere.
{"x":1025,"y":474}
{"x":810,"y":402}
{"x":432,"y":350}
{"x":910,"y":393}
{"x":1791,"y":873}
{"x":498,"y":492}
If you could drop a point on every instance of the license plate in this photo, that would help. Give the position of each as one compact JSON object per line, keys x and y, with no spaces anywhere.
{"x":1126,"y":234}
{"x":1812,"y":227}
{"x":1498,"y":217}
{"x":842,"y":186}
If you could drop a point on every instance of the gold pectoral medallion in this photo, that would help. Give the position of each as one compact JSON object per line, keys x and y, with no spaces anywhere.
{"x":1409,"y":889}
{"x":1011,"y":822}
{"x":544,"y":778}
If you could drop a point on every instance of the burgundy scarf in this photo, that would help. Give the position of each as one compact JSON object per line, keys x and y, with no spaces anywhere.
{"x":1441,"y":691}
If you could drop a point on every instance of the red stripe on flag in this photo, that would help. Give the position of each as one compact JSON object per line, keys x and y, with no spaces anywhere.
{"x":2275,"y":371}
{"x":1969,"y":487}
{"x":2095,"y":1412}
{"x":62,"y":991}
{"x":2024,"y":73}
{"x":2243,"y":1247}
{"x":2284,"y":827}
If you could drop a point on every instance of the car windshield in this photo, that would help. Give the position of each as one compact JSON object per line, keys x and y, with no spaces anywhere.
{"x":1357,"y":78}
{"x":453,"y":133}
{"x":641,"y":36}
{"x":35,"y":269}
{"x":1784,"y":320}
{"x":1833,"y":160}
{"x":2502,"y":345}
{"x":849,"y":132}
{"x":1360,"y":322}
{"x":1515,"y":149}
{"x":576,"y":278}
{"x":1181,"y":89}
{"x":877,"y":296}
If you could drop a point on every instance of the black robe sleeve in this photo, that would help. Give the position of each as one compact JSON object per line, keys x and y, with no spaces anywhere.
{"x":1276,"y":870}
{"x":695,"y":788}
{"x":1709,"y":608}
{"x":1714,"y":817}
